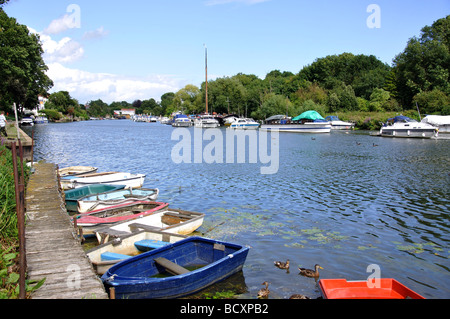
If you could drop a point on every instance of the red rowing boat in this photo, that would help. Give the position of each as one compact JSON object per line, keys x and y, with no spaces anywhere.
{"x":387,"y":289}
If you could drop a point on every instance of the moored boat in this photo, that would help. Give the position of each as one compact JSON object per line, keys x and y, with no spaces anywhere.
{"x":187,"y":266}
{"x":307,"y":122}
{"x":403,"y":126}
{"x":92,"y":221}
{"x":206,"y":121}
{"x":127,"y":179}
{"x":439,"y":121}
{"x":114,"y":197}
{"x":337,"y":124}
{"x":181,"y":120}
{"x":73,"y":195}
{"x":106,"y":255}
{"x":244,"y":124}
{"x":166,"y":220}
{"x":386,"y":288}
{"x":76,"y":170}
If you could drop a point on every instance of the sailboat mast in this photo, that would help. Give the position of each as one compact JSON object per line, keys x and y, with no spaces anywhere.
{"x":206,"y":72}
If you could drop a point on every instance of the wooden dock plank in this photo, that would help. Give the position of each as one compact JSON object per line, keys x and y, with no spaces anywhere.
{"x":53,"y":250}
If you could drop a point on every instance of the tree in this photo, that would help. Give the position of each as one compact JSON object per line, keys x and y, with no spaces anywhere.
{"x":227,"y":95}
{"x":166,"y":102}
{"x":22,"y":69}
{"x":362,"y":72}
{"x":274,"y":104}
{"x":433,"y":102}
{"x":424,"y":65}
{"x":188,"y":100}
{"x":98,"y":108}
{"x":378,"y":100}
{"x":61,"y":101}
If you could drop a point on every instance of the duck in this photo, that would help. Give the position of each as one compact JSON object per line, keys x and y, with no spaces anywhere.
{"x":264,"y":292}
{"x":310,"y":272}
{"x":375,"y":145}
{"x":298,"y":296}
{"x":282,"y":265}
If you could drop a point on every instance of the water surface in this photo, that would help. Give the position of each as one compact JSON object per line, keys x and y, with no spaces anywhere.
{"x":337,"y":200}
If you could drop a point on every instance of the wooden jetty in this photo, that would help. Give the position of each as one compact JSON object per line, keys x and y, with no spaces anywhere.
{"x":53,"y":250}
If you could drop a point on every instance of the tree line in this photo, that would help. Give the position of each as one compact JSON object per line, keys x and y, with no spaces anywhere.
{"x":336,"y":83}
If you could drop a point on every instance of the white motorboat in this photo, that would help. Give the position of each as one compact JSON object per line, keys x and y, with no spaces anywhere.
{"x":244,"y":124}
{"x":128,"y":179}
{"x":403,"y":126}
{"x":227,"y":120}
{"x":439,"y":121}
{"x":181,"y":120}
{"x":206,"y":121}
{"x":307,"y":122}
{"x":27,"y":121}
{"x":337,"y":124}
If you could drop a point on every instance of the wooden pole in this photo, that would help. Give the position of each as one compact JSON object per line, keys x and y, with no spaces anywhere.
{"x":20,"y":206}
{"x":206,"y":72}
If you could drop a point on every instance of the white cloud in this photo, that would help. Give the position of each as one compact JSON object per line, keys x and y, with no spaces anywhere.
{"x":62,"y":24}
{"x":64,"y":51}
{"x":247,"y":2}
{"x":86,"y":86}
{"x":96,"y":34}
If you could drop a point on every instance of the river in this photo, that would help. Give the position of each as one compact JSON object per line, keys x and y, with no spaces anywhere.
{"x":341,"y":200}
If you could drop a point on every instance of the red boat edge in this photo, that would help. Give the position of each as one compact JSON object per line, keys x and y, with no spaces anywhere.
{"x":385,"y":288}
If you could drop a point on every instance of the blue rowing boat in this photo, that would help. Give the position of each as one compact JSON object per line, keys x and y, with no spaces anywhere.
{"x":175,"y":270}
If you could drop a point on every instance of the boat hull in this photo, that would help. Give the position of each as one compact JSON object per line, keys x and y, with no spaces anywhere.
{"x":409,"y":133}
{"x":298,"y":128}
{"x":115,"y":197}
{"x":97,"y":219}
{"x":127,"y":179}
{"x":387,"y":289}
{"x":76,"y":170}
{"x":166,"y":220}
{"x":125,"y":245}
{"x":72,"y":196}
{"x":133,"y":277}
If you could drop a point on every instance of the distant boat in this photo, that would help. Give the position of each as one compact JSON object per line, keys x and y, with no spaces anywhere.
{"x":114,"y":197}
{"x":106,"y":255}
{"x":73,"y":195}
{"x":307,"y":122}
{"x":343,"y":289}
{"x":76,"y":170}
{"x":166,"y":220}
{"x":337,"y":124}
{"x":206,"y":121}
{"x":403,"y":126}
{"x":92,"y":221}
{"x":41,"y":120}
{"x":175,"y":270}
{"x":181,"y":120}
{"x":113,"y":178}
{"x":441,"y":122}
{"x":244,"y":124}
{"x":27,"y":121}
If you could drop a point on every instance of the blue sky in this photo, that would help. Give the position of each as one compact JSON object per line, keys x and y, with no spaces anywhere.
{"x":128,"y":50}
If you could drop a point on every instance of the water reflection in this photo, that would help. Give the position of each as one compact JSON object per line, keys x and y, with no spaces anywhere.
{"x":336,"y":201}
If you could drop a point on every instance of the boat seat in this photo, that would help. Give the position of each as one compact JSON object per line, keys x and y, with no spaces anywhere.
{"x":107,"y":256}
{"x":171,"y":267}
{"x":136,"y":226}
{"x":147,"y":244}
